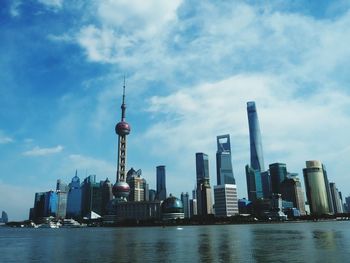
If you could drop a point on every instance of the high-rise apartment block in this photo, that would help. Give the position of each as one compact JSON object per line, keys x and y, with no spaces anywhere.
{"x":226,"y":200}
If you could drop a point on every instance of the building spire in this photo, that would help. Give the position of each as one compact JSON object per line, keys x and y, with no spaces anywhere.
{"x":123,"y":107}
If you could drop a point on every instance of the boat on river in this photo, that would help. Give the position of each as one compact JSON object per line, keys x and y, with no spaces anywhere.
{"x":49,"y":225}
{"x":71,"y":223}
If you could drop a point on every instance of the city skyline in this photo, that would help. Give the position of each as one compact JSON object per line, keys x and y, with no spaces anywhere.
{"x":61,"y":89}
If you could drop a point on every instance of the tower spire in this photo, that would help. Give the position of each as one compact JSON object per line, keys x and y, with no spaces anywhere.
{"x":123,"y":107}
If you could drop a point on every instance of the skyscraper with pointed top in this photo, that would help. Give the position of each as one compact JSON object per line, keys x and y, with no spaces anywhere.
{"x":256,"y":151}
{"x":74,"y":197}
{"x":121,"y":189}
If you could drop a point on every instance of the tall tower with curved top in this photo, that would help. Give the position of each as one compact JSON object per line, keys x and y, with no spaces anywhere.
{"x":121,"y":189}
{"x":256,"y":151}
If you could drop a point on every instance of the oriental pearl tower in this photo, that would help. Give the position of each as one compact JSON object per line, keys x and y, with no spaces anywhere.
{"x":121,"y":189}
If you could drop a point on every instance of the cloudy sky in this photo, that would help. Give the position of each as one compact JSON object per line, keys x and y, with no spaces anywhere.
{"x":190,"y":66}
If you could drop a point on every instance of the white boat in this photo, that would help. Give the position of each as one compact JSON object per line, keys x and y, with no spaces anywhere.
{"x":49,"y":225}
{"x":71,"y":223}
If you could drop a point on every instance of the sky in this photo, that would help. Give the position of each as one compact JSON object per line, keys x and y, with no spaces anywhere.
{"x":190,"y":68}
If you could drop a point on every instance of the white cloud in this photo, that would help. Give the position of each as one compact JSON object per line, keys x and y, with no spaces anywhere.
{"x":4,"y":139}
{"x":211,"y":58}
{"x":37,"y":151}
{"x":294,"y":129}
{"x":124,"y":27}
{"x":52,"y":3}
{"x":142,"y":18}
{"x":14,"y":8}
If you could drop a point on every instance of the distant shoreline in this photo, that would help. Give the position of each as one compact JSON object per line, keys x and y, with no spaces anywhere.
{"x":198,"y":221}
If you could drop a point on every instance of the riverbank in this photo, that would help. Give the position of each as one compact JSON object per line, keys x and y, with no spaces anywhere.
{"x":197,"y":220}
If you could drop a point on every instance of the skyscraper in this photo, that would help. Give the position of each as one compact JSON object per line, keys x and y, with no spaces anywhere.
{"x":152,"y":195}
{"x":45,"y":205}
{"x":4,"y":217}
{"x":204,"y":199}
{"x":186,"y":204}
{"x":161,"y":183}
{"x":316,"y":188}
{"x":74,"y":197}
{"x":121,"y":189}
{"x":347,"y":204}
{"x":278,"y":173}
{"x":328,"y":190}
{"x":256,"y":151}
{"x":291,"y":191}
{"x":254,"y":184}
{"x":107,"y":195}
{"x":91,"y":200}
{"x":266,"y":184}
{"x":61,"y":190}
{"x":193,"y":203}
{"x":61,"y":186}
{"x":224,"y":171}
{"x":137,"y":185}
{"x":337,"y":203}
{"x":226,"y":200}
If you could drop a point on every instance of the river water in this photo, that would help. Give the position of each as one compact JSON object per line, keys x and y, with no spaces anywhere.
{"x":284,"y":242}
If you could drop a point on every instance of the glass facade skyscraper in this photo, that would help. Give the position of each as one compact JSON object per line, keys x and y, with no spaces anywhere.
{"x":161,"y":185}
{"x":278,"y":173}
{"x":224,"y":171}
{"x":256,"y":151}
{"x":328,"y":190}
{"x":186,"y":203}
{"x":254,"y":183}
{"x":91,"y":200}
{"x":74,"y":197}
{"x":204,"y":199}
{"x":337,"y":203}
{"x":266,"y":183}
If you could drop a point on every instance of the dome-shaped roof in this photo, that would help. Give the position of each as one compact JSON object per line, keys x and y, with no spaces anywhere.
{"x":172,"y":205}
{"x":122,"y":128}
{"x":121,"y":190}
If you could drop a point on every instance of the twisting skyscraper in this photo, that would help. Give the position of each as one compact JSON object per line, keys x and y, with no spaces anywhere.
{"x":256,"y":151}
{"x":121,"y":189}
{"x":224,"y":171}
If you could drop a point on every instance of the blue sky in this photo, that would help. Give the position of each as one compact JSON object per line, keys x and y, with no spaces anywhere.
{"x":190,"y":67}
